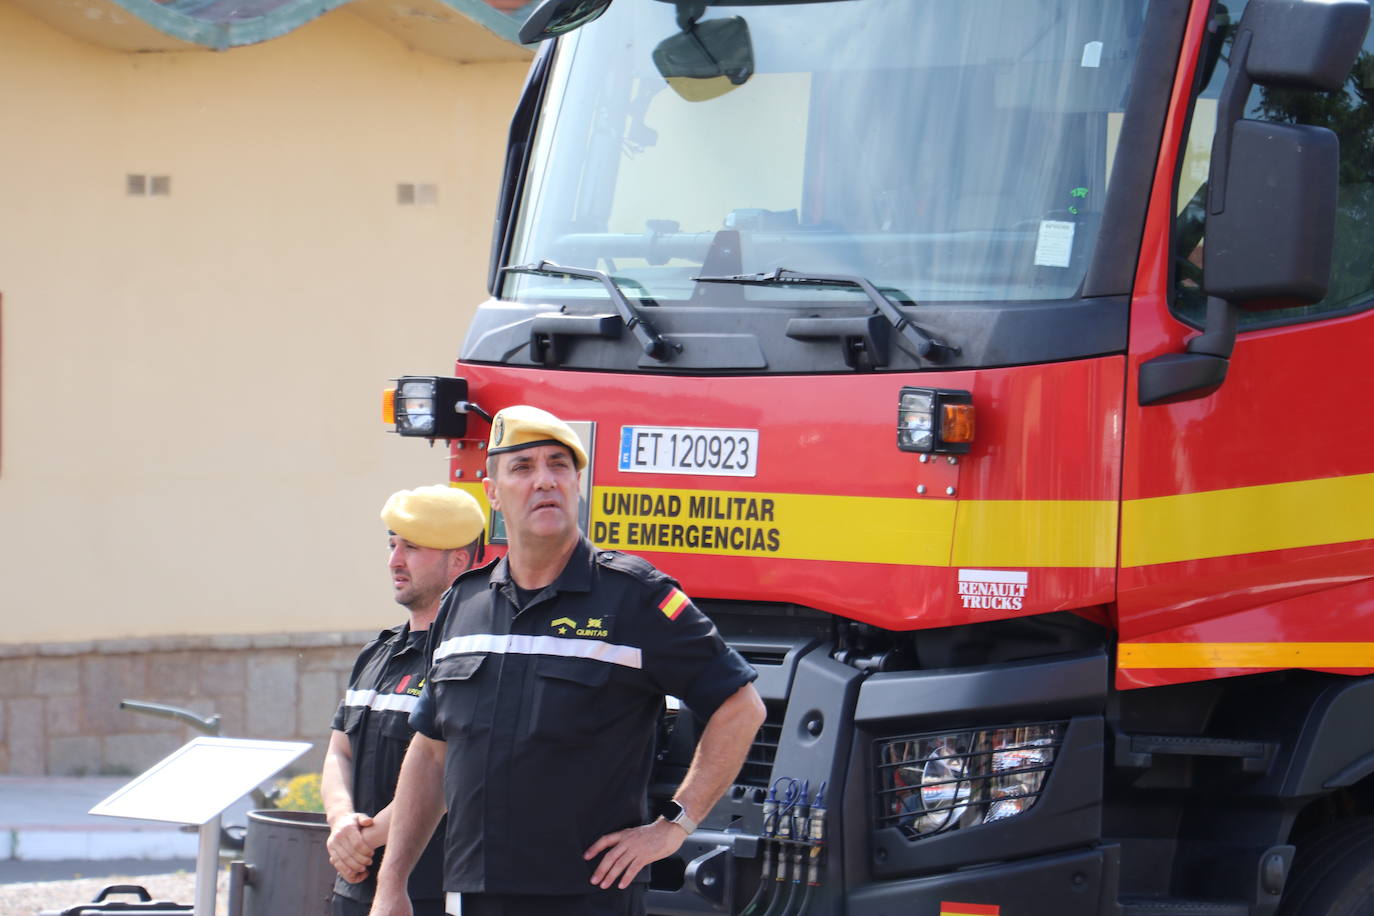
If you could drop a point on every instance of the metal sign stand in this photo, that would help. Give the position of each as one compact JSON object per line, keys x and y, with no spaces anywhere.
{"x":193,"y":785}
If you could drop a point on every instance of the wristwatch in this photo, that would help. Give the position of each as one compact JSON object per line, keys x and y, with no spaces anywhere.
{"x":674,"y":813}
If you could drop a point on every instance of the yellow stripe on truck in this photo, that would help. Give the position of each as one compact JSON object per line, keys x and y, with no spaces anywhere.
{"x":1024,"y":534}
{"x":1221,"y":523}
{"x":1246,"y":655}
{"x":856,"y":529}
{"x":792,"y":526}
{"x":1018,"y":534}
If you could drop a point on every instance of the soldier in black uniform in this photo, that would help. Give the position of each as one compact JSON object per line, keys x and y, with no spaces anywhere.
{"x":435,"y":534}
{"x":536,"y":726}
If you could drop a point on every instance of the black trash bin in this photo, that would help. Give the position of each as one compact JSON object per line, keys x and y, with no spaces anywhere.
{"x":285,"y":866}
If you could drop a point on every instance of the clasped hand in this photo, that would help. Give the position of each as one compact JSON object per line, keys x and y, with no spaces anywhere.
{"x":349,"y":852}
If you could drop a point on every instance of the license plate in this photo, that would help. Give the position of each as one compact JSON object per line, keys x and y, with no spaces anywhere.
{"x":689,"y":450}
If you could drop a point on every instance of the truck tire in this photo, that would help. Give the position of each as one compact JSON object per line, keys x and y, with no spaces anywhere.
{"x":1333,"y":872}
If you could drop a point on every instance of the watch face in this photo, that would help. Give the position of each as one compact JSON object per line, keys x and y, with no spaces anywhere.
{"x":672,"y":811}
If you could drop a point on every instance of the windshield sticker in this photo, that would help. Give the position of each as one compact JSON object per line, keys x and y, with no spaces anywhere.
{"x":993,"y":589}
{"x":1078,"y":194}
{"x":1054,"y":244}
{"x":1092,"y":54}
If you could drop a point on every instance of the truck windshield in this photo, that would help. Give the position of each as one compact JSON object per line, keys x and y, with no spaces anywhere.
{"x":947,"y":150}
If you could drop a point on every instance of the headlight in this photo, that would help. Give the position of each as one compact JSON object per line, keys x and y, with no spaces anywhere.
{"x":929,"y":784}
{"x":431,"y":406}
{"x":916,"y":420}
{"x":935,"y":420}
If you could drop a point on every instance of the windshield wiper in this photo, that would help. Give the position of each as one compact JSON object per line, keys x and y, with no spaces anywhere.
{"x":653,"y":344}
{"x":927,"y":347}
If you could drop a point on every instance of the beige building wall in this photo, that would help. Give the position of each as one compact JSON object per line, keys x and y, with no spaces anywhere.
{"x":190,"y":435}
{"x":192,"y":458}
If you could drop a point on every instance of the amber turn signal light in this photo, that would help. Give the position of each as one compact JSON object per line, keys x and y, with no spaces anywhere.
{"x":956,"y":423}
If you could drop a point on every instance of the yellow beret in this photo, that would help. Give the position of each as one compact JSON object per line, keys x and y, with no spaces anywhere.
{"x":441,"y":517}
{"x":523,"y":426}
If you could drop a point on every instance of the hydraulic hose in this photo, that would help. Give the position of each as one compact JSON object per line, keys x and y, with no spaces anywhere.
{"x":767,"y":854}
{"x":779,"y":901}
{"x":786,"y":833}
{"x":798,"y":821}
{"x":816,"y":843}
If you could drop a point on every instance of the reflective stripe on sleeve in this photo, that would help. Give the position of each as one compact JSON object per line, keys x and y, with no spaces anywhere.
{"x":593,"y":649}
{"x":400,"y":702}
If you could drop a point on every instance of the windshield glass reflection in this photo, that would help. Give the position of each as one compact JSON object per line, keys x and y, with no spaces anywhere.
{"x":951,"y":150}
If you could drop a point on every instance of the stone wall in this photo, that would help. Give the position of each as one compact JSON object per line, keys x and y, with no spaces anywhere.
{"x":59,"y":703}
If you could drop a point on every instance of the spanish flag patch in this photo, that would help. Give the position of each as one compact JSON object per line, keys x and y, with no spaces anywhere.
{"x":673,"y":603}
{"x":968,"y":909}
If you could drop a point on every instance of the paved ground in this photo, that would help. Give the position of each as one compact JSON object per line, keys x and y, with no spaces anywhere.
{"x":52,"y":897}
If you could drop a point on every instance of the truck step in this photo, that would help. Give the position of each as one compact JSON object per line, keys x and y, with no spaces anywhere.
{"x":1140,"y":750}
{"x":1153,"y":906}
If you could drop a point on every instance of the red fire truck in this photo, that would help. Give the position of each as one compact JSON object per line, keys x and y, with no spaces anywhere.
{"x":992,"y":372}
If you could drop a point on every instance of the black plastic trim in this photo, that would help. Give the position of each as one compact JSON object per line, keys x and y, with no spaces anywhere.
{"x":1069,"y":884}
{"x":774,"y":681}
{"x":1335,"y":745}
{"x":818,"y":727}
{"x":1173,"y":376}
{"x":1057,"y":688}
{"x":1112,"y":271}
{"x":522,"y":127}
{"x":750,"y":339}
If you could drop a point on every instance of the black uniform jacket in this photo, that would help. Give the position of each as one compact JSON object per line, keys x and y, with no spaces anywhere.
{"x":375,"y":711}
{"x":549,"y":712}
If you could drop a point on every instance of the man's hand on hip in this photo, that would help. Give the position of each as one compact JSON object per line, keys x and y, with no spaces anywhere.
{"x":349,"y":853}
{"x":629,"y":851}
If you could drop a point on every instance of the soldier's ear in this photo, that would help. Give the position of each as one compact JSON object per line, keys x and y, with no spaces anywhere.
{"x":489,"y":487}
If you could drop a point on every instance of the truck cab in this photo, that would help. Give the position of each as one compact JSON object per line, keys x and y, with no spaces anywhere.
{"x":990,"y":372}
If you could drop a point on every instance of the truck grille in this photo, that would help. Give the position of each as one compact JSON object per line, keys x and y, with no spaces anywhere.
{"x":758,"y":766}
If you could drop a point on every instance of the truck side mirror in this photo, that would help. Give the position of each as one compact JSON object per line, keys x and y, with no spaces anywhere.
{"x":1301,"y":44}
{"x":1272,"y":187}
{"x":1271,"y":244}
{"x":555,"y":17}
{"x":1272,"y":196}
{"x":1271,"y":208}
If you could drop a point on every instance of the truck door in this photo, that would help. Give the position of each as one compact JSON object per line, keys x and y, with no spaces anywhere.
{"x":1247,"y":528}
